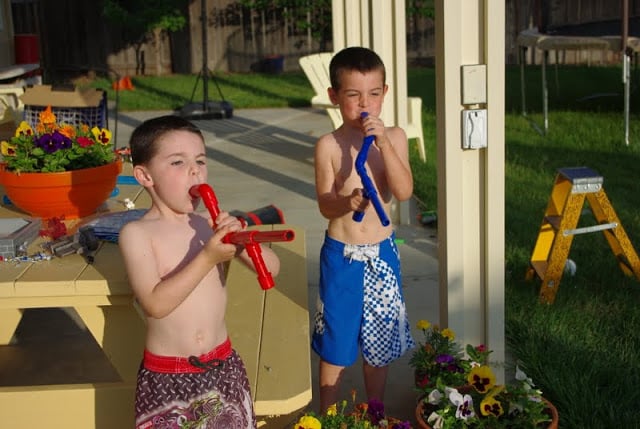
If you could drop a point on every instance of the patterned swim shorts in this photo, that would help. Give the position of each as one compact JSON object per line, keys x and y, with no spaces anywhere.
{"x":360,"y":304}
{"x":210,"y":391}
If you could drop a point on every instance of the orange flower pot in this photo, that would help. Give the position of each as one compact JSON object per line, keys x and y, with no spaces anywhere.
{"x":69,"y":194}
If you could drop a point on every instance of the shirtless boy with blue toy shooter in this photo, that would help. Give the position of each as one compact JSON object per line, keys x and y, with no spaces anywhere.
{"x":360,"y":304}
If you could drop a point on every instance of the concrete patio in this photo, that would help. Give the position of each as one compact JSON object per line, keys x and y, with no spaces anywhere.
{"x":258,"y":157}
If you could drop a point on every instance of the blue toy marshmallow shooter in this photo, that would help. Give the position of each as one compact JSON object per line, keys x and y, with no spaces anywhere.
{"x":368,"y":189}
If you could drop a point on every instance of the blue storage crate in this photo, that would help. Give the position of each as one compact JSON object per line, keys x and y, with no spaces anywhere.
{"x":70,"y":107}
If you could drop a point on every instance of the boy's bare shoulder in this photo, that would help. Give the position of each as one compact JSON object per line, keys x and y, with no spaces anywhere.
{"x":396,"y":133}
{"x":151,"y":224}
{"x":336,"y":140}
{"x":328,"y":138}
{"x":135,"y":228}
{"x":327,"y":144}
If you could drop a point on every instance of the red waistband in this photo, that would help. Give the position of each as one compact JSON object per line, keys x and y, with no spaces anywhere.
{"x":181,"y":365}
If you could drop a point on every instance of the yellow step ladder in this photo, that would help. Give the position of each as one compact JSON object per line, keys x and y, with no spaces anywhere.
{"x":559,"y":225}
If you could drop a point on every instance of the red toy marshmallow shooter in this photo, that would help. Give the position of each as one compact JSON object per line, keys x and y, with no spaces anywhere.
{"x":249,"y":239}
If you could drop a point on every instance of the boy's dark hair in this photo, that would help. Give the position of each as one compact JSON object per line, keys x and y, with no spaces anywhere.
{"x":354,"y":58}
{"x":144,"y":138}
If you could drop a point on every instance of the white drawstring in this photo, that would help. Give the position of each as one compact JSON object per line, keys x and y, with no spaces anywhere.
{"x":362,"y":253}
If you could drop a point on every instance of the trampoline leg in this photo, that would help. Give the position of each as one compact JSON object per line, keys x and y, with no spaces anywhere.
{"x":523,"y":58}
{"x":555,"y":69}
{"x":545,"y":92}
{"x":626,"y":79}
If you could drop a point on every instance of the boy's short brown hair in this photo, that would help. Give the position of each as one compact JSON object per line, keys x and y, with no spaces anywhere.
{"x":143,"y":141}
{"x":354,"y":58}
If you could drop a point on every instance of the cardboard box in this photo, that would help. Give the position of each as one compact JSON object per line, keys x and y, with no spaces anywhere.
{"x":70,"y":105}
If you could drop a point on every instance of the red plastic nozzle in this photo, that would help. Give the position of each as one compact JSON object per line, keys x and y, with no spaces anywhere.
{"x":249,"y":239}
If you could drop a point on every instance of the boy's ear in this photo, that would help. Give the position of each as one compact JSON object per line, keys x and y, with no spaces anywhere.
{"x":142,"y":176}
{"x":333,"y":95}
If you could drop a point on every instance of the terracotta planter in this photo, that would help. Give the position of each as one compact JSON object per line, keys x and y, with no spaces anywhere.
{"x":552,"y":410}
{"x":69,"y":194}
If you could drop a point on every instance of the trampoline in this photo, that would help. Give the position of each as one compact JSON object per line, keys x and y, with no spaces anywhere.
{"x":578,"y":38}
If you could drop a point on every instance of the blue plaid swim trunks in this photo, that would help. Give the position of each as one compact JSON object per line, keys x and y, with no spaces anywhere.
{"x":360,"y":304}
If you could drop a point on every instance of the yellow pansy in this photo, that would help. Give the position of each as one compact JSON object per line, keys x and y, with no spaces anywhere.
{"x":102,"y":135}
{"x":7,"y":149}
{"x":423,"y":325}
{"x":448,"y":333}
{"x":481,"y":378}
{"x":24,"y":129}
{"x":308,"y":422}
{"x":491,"y":407}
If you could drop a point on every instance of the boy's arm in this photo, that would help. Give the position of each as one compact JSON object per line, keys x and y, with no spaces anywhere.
{"x":394,"y":148}
{"x":271,"y":260}
{"x":158,"y":296}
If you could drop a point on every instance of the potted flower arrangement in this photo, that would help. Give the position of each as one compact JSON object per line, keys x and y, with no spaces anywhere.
{"x":58,"y":170}
{"x":368,"y":415}
{"x":437,"y":358}
{"x":474,"y":400}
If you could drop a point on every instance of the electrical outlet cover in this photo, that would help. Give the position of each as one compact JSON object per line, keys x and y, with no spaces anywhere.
{"x":474,"y":128}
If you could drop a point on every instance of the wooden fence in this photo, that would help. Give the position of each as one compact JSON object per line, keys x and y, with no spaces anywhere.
{"x":75,"y":37}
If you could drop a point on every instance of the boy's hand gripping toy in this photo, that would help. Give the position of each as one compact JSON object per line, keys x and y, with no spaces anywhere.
{"x":249,"y":239}
{"x":368,"y":189}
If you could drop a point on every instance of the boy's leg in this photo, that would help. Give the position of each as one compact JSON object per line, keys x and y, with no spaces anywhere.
{"x":375,"y":381}
{"x":330,"y":379}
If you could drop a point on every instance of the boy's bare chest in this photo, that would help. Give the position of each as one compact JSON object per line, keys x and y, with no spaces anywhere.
{"x":175,"y":247}
{"x":347,"y":178}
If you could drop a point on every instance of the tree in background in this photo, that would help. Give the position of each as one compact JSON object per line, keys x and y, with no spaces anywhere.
{"x":146,"y":20}
{"x":310,"y":16}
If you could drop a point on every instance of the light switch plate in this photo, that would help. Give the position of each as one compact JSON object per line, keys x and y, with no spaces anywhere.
{"x":474,"y":84}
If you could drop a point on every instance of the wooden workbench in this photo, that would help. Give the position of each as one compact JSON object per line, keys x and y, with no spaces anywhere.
{"x":270,"y":330}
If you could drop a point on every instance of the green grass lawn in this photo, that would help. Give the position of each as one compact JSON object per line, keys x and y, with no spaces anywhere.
{"x":584,"y":350}
{"x":243,"y":90}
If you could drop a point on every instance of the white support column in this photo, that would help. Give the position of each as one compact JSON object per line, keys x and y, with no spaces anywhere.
{"x":338,"y":24}
{"x":494,"y":19}
{"x":471,"y":181}
{"x":399,"y":77}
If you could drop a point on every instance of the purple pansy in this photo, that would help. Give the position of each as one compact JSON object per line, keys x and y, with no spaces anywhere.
{"x":51,"y":143}
{"x":375,"y":410}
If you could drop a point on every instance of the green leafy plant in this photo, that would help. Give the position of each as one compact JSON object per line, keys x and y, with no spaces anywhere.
{"x":52,"y":147}
{"x":368,"y":415}
{"x":438,"y":358}
{"x":461,"y":392}
{"x":480,"y":403}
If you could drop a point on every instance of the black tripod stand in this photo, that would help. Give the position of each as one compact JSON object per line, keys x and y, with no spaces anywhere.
{"x":207,"y":109}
